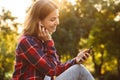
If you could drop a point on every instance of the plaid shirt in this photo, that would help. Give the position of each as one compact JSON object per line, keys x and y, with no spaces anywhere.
{"x":35,"y":59}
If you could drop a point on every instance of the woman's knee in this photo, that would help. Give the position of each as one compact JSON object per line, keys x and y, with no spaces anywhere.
{"x":78,"y":66}
{"x":81,"y":68}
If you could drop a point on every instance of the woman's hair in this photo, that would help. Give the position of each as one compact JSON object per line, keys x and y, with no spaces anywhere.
{"x":39,"y":11}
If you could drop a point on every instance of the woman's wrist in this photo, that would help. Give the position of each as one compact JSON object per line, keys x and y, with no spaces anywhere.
{"x":77,"y":60}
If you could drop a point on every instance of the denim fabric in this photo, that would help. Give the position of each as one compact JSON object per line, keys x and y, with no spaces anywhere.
{"x":47,"y":78}
{"x":75,"y":72}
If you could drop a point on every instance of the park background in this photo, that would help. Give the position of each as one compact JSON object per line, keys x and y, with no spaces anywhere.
{"x":83,"y":23}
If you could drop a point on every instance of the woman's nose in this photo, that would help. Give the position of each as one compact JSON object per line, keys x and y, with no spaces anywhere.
{"x":57,"y":21}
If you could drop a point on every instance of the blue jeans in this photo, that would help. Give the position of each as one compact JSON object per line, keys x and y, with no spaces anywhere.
{"x":75,"y":72}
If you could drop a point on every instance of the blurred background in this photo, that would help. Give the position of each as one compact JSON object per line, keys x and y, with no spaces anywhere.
{"x":83,"y":23}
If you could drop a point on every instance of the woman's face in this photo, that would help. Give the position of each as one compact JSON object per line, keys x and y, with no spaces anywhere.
{"x":51,"y":21}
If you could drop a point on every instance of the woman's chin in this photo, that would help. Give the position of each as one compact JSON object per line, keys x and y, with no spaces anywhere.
{"x":52,"y":31}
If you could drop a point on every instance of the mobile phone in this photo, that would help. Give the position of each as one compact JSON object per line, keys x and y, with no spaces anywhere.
{"x":90,"y":49}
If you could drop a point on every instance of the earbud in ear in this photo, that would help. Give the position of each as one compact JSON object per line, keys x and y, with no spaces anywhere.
{"x":42,"y":25}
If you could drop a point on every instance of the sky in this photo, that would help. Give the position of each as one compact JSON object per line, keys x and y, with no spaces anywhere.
{"x":17,"y":7}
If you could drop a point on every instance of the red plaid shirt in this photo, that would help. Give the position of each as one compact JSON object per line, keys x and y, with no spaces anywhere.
{"x":35,"y":59}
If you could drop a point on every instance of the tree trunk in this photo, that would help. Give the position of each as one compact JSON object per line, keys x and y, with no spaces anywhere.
{"x":98,"y":67}
{"x":2,"y":76}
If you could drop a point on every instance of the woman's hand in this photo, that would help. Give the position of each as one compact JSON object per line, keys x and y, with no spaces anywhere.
{"x":82,"y":56}
{"x":44,"y":34}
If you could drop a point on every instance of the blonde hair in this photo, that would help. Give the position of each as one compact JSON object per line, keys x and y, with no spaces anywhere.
{"x":39,"y":11}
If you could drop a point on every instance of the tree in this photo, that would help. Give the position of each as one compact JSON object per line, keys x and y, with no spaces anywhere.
{"x":8,"y":37}
{"x":104,"y":36}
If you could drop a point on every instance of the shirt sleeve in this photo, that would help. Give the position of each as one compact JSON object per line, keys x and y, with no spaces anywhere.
{"x":35,"y":56}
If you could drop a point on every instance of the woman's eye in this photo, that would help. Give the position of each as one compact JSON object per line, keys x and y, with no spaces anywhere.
{"x":52,"y":20}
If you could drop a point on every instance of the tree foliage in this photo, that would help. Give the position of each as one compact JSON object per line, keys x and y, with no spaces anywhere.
{"x":104,"y":36}
{"x":68,"y":32}
{"x":8,"y":37}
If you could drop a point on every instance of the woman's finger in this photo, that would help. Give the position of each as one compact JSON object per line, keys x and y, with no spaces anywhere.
{"x":87,"y":54}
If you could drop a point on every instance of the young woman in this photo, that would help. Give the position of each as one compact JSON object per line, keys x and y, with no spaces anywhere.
{"x":36,"y":57}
